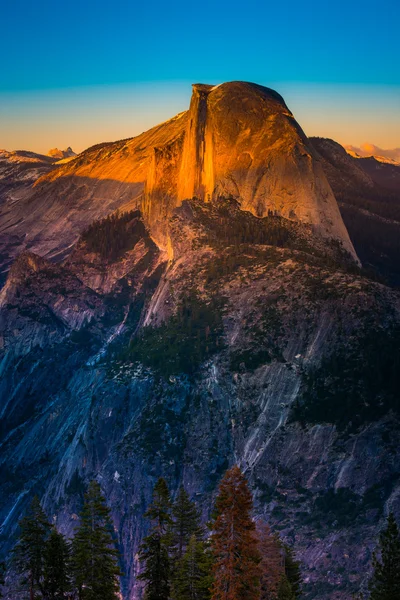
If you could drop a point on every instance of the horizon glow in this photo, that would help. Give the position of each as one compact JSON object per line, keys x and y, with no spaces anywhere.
{"x":87,"y":72}
{"x":41,"y":120}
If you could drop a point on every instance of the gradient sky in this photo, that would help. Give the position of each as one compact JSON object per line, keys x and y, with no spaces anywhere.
{"x":79,"y":73}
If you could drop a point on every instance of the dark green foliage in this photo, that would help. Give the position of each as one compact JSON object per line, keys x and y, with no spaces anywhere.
{"x":292,"y":572}
{"x":385,"y":581}
{"x":2,"y":577}
{"x":223,"y":224}
{"x":193,"y":578}
{"x":285,"y":591}
{"x":234,"y":227}
{"x":113,"y":236}
{"x":161,"y":430}
{"x":56,"y":576}
{"x":28,"y":554}
{"x":154,"y":552}
{"x":94,"y":558}
{"x":186,"y":522}
{"x":339,"y":506}
{"x":159,"y":512}
{"x":250,"y":359}
{"x":245,"y":256}
{"x":357,"y":383}
{"x":83,"y":336}
{"x":181,"y":344}
{"x":342,"y":507}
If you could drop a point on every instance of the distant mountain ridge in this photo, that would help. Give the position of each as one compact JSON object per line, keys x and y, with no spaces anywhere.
{"x":366,"y":150}
{"x":368,"y":193}
{"x":60,"y":154}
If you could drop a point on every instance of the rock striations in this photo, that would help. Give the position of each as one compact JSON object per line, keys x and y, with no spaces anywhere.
{"x":237,"y":139}
{"x":242,"y":141}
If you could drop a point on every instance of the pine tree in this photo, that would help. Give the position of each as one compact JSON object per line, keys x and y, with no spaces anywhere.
{"x":56,"y":576}
{"x":385,"y":581}
{"x":2,"y":576}
{"x":285,"y":591}
{"x":272,"y":562}
{"x":94,"y":557}
{"x":193,"y":577}
{"x":234,"y":542}
{"x":28,"y":554}
{"x":155,"y":549}
{"x":186,"y":523}
{"x":292,"y":571}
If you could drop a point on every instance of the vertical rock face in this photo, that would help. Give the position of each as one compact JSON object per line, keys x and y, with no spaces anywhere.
{"x":241,"y":140}
{"x":196,"y":173}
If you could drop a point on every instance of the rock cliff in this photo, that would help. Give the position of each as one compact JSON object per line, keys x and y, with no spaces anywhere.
{"x":237,"y":139}
{"x":265,"y":346}
{"x":226,"y":321}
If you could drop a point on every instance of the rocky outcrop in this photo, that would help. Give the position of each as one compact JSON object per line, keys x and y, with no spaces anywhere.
{"x":242,"y":141}
{"x":18,"y":172}
{"x":41,"y":303}
{"x":60,"y":154}
{"x":237,"y":139}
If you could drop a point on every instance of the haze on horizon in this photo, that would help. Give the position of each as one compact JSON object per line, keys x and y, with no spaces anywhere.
{"x":97,"y":72}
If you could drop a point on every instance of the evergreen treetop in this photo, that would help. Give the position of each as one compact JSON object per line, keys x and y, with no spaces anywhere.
{"x":28,"y":553}
{"x":385,"y":581}
{"x":56,"y":576}
{"x":159,"y":511}
{"x":193,"y":578}
{"x":285,"y":591}
{"x":186,"y":522}
{"x":292,"y":571}
{"x":272,"y":561}
{"x":94,"y":557}
{"x":155,"y":549}
{"x":234,"y":542}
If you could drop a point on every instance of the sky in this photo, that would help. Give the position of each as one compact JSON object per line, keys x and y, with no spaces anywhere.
{"x":83,"y":72}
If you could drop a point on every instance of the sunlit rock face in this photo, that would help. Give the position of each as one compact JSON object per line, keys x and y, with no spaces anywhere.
{"x":242,"y":141}
{"x":61,"y":154}
{"x":237,"y":139}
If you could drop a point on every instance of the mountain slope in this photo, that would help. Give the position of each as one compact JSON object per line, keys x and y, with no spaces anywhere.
{"x":253,"y":353}
{"x":237,"y":139}
{"x":227,"y":321}
{"x":368,"y":193}
{"x":18,"y":172}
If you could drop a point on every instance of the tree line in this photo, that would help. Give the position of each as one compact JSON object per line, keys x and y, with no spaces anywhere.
{"x":48,"y":566}
{"x":236,"y":559}
{"x":114,"y":235}
{"x":232,"y":558}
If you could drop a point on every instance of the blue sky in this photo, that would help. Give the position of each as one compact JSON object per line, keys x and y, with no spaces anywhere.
{"x":78,"y":73}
